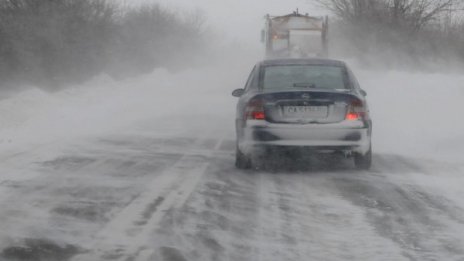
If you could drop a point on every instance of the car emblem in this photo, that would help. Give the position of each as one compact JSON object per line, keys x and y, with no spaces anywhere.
{"x":305,"y":96}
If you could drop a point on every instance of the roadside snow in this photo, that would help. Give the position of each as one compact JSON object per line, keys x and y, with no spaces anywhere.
{"x":415,"y":114}
{"x":104,"y":106}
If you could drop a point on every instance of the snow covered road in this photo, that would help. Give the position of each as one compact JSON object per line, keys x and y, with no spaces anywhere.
{"x":150,"y":176}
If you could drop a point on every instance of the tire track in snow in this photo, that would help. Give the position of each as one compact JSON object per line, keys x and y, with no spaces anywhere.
{"x":277,"y":230}
{"x":126,"y":236}
{"x":305,"y":218}
{"x":422,"y":224}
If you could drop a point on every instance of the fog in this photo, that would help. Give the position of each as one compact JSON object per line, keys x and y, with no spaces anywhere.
{"x":137,"y":163}
{"x":239,"y":20}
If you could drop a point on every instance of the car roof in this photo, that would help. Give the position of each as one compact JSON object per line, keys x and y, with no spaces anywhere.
{"x":302,"y":61}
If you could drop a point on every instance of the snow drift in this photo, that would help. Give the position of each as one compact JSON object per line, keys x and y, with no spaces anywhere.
{"x":414,"y":114}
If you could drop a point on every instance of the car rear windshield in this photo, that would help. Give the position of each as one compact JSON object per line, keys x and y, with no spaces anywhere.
{"x":304,"y":76}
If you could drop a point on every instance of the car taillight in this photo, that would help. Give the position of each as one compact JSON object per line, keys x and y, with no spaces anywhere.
{"x":352,"y":116}
{"x":255,"y":110}
{"x":356,"y":111}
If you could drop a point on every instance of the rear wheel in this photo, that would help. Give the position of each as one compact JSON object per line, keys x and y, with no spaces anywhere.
{"x":241,"y":160}
{"x":363,"y":162}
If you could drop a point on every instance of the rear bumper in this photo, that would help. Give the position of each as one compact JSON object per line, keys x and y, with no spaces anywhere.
{"x":351,"y":136}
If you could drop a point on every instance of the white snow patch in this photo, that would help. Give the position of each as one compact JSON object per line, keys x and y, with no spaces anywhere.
{"x":104,"y":106}
{"x":416,"y":114}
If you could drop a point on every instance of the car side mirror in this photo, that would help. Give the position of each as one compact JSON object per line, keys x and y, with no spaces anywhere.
{"x":363,"y":92}
{"x":238,"y":92}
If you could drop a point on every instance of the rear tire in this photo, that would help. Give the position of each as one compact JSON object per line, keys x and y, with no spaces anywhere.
{"x":363,"y":162}
{"x":241,"y":160}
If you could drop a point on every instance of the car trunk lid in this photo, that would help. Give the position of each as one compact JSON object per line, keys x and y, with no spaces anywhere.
{"x":305,"y":107}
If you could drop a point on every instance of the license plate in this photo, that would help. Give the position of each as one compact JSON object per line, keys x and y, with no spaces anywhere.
{"x":306,"y":111}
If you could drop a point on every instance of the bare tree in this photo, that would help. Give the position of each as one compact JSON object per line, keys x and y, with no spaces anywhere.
{"x":57,"y":42}
{"x":412,"y":14}
{"x":398,"y":32}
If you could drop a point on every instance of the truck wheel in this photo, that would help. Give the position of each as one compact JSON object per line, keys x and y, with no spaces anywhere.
{"x":241,"y":160}
{"x":363,"y":162}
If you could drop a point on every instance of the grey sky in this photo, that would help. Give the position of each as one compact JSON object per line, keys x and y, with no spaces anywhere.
{"x":239,"y":20}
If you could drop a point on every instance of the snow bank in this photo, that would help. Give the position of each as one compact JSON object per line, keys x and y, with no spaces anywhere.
{"x":414,"y":114}
{"x":417,"y":114}
{"x":103,"y":106}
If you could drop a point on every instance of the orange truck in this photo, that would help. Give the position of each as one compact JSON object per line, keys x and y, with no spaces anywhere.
{"x":296,"y":36}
